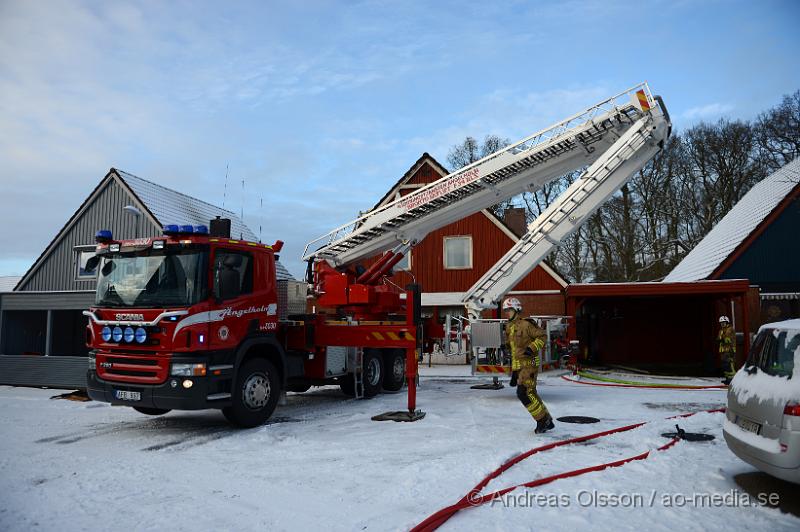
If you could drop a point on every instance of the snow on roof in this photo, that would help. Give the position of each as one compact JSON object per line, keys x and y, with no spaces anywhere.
{"x":737,"y":225}
{"x":173,"y":207}
{"x":782,"y":325}
{"x":8,"y":282}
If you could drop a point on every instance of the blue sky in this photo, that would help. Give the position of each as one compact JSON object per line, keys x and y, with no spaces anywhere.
{"x":321,"y":106}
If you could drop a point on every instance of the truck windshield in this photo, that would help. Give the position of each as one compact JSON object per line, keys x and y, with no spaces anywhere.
{"x":152,"y":279}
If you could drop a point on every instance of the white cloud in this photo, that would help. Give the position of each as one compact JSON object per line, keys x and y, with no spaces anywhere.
{"x":705,"y":112}
{"x":512,"y":114}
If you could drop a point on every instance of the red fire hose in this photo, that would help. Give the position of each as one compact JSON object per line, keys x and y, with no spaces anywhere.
{"x":474,"y":497}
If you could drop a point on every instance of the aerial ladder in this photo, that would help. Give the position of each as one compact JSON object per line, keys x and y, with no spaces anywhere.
{"x":612,"y":140}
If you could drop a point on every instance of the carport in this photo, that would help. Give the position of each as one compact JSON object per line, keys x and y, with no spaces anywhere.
{"x":659,"y":327}
{"x":36,"y":325}
{"x":44,"y":323}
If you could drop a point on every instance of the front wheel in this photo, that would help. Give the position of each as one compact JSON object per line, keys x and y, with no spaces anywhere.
{"x":255,"y":394}
{"x":151,"y":411}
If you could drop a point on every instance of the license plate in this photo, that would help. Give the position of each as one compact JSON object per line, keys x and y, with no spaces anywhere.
{"x":749,"y":426}
{"x":124,"y":395}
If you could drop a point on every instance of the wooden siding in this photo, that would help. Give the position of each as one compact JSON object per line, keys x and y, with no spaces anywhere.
{"x":489,"y":243}
{"x":56,"y":269}
{"x":426,"y":174}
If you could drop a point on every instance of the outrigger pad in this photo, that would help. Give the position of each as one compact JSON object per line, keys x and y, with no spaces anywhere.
{"x":490,"y":386}
{"x":583,"y":420}
{"x":400,"y":415}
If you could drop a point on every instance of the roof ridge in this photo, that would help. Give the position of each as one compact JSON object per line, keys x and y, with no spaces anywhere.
{"x":425,"y":157}
{"x":121,"y":172}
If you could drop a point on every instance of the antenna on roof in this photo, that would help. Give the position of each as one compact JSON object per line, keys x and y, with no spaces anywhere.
{"x":241,"y":214}
{"x":260,"y":218}
{"x":225,"y":190}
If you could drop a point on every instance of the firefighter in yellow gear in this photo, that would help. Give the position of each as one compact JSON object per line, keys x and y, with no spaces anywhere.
{"x":727,"y":348}
{"x":526,"y":340}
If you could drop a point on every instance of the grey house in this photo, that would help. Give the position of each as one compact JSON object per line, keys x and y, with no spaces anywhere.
{"x":756,"y":240}
{"x":42,"y":315}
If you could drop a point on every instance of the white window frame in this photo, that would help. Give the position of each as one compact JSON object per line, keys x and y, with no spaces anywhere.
{"x":444,"y":252}
{"x":78,"y":250}
{"x":397,"y":266}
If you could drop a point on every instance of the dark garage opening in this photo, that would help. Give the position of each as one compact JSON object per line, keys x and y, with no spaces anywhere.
{"x":24,"y":332}
{"x":68,"y":336}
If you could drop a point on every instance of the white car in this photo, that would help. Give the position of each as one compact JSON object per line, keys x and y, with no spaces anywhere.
{"x":763,"y":417}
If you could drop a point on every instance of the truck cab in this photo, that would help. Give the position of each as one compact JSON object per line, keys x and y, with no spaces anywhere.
{"x":187,"y":321}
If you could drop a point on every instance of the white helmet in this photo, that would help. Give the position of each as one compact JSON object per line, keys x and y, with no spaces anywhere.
{"x":512,"y":302}
{"x":724,"y":319}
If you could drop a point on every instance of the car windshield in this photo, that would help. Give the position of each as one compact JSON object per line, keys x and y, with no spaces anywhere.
{"x":773,"y":352}
{"x":152,"y":279}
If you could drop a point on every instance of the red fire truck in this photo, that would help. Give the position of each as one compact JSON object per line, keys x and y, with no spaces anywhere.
{"x":194,"y":319}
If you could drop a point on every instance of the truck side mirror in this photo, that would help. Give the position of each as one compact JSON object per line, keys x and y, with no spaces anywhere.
{"x":109,"y":267}
{"x":92,"y":263}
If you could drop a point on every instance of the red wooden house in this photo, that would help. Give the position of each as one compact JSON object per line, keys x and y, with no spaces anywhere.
{"x":448,"y":261}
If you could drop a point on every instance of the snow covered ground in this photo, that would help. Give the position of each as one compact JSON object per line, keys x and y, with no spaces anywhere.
{"x":322,"y":463}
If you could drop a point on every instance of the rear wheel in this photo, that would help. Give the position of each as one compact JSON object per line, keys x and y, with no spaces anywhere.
{"x":348,"y":385}
{"x":373,"y":373}
{"x":255,"y":394}
{"x":151,"y":411}
{"x":394,"y":364}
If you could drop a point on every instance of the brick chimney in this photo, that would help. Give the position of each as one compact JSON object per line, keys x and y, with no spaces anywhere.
{"x":514,"y":218}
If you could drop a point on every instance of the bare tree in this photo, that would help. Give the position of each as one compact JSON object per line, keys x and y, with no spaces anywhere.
{"x":778,"y":132}
{"x":645,"y":229}
{"x":470,"y":151}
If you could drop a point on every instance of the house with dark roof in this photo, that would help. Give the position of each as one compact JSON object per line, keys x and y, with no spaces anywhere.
{"x":42,"y":315}
{"x":757,"y":240}
{"x":449,"y":260}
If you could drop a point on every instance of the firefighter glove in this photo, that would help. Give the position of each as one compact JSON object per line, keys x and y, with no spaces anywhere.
{"x":529,"y":352}
{"x":514,"y":375}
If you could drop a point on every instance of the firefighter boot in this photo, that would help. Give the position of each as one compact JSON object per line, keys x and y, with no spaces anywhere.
{"x":544,"y":424}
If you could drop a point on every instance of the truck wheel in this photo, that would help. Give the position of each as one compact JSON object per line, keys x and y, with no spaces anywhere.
{"x":373,"y":373}
{"x":151,"y":411}
{"x":255,"y":394}
{"x":348,"y":385}
{"x":373,"y":376}
{"x":394,"y":364}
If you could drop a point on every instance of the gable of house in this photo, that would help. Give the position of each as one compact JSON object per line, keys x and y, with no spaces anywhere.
{"x":56,"y":268}
{"x":740,"y":228}
{"x":770,"y":260}
{"x":491,"y":239}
